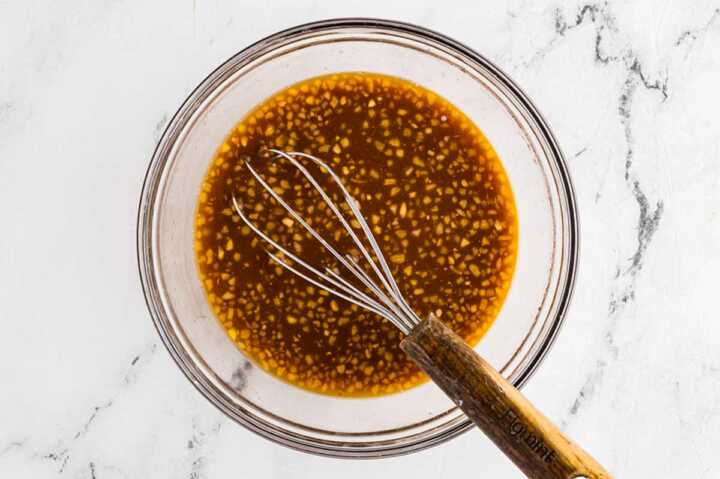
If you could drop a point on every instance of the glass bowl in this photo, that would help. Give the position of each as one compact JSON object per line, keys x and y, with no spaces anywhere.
{"x":352,"y":427}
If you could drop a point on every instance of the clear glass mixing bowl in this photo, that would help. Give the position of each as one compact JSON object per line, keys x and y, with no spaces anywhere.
{"x":367,"y":427}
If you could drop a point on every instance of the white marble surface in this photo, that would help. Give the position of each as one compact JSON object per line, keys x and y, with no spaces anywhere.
{"x":88,"y":391}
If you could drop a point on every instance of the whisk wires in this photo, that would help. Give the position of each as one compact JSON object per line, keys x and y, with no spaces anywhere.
{"x":382,"y":295}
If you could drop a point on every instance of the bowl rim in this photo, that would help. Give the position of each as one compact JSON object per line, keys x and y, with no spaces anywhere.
{"x":412,"y":443}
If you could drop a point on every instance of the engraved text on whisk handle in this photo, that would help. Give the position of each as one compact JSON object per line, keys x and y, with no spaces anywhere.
{"x":527,"y":437}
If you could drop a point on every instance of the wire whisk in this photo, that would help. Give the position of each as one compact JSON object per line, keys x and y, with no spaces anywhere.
{"x":536,"y":446}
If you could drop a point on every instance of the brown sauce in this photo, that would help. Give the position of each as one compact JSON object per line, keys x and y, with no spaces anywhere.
{"x":429,"y":184}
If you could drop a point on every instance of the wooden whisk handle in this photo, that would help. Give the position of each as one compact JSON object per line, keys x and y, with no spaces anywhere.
{"x":527,"y":437}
